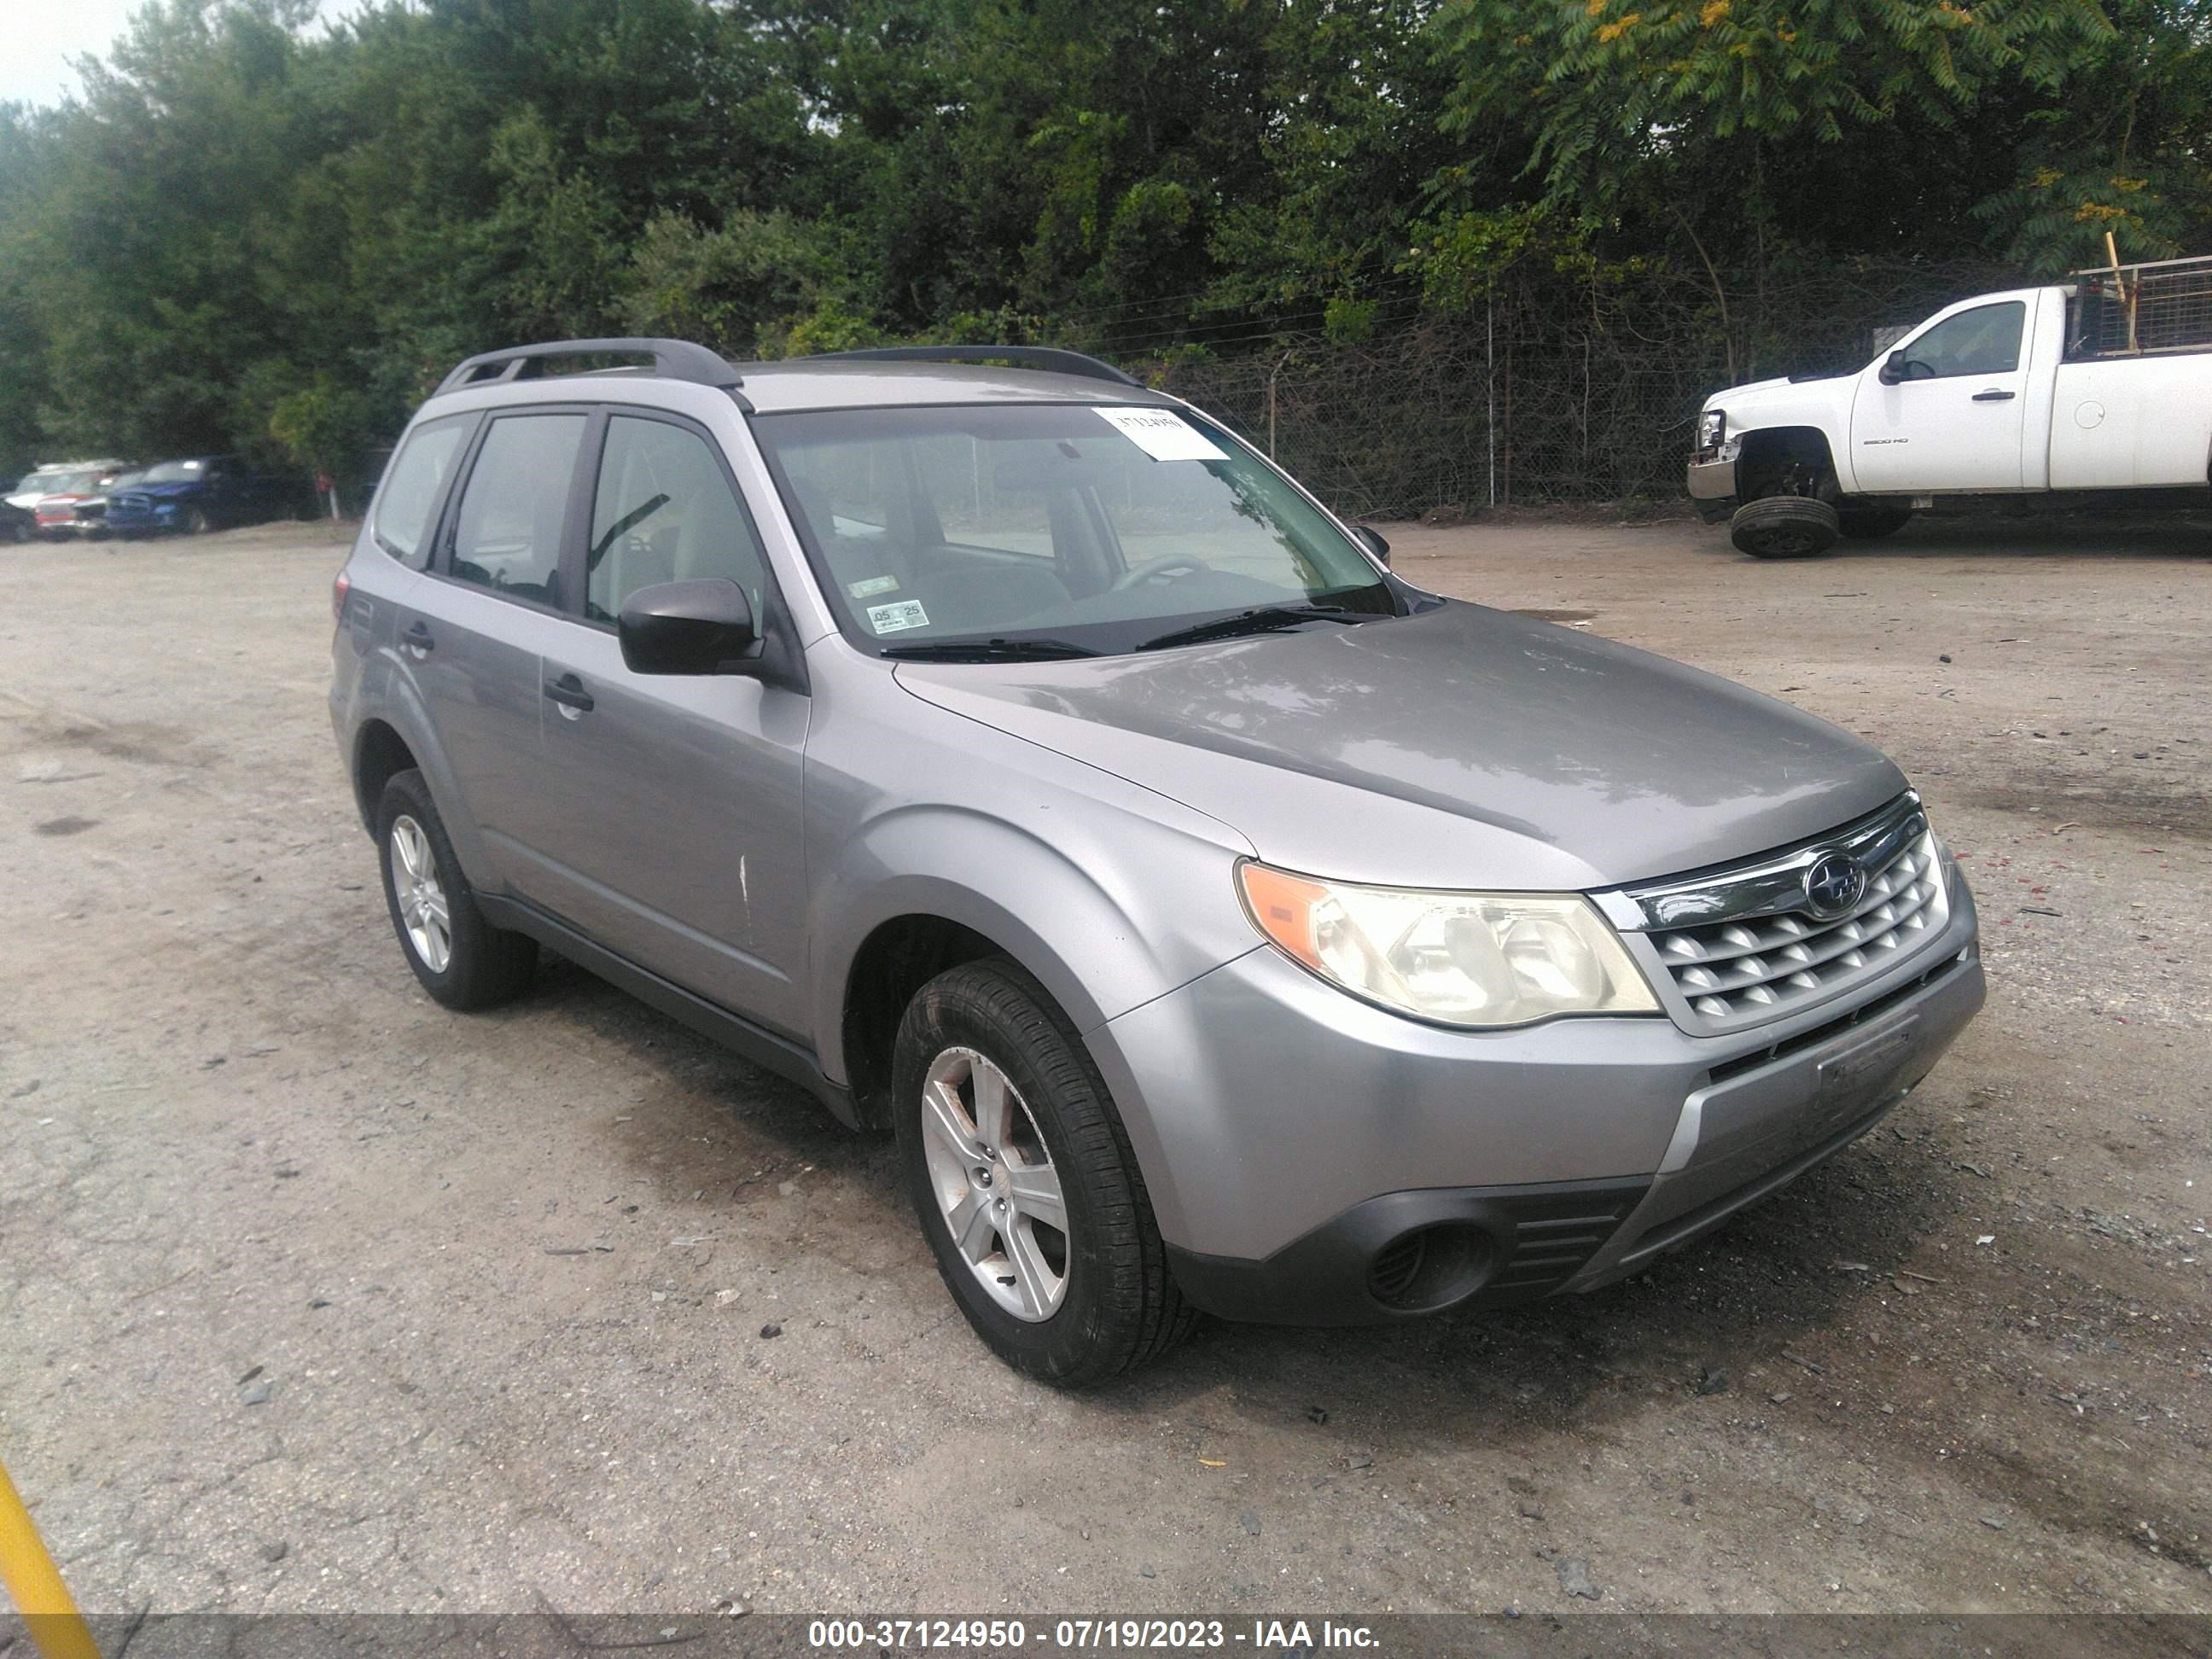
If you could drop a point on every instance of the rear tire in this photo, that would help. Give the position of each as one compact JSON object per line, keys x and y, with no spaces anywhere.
{"x":1784,"y":527}
{"x":973,"y":1165}
{"x":462,"y":960}
{"x":1871,"y":519}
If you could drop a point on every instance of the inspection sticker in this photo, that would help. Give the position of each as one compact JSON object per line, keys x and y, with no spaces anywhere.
{"x":1164,"y":434}
{"x":892,"y":618}
{"x":861,"y":590}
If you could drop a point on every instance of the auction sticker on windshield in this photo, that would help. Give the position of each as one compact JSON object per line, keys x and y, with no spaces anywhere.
{"x":892,"y":618}
{"x":1164,"y":434}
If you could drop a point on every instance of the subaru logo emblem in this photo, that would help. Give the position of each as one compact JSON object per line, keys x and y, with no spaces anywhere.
{"x":1836,"y":881}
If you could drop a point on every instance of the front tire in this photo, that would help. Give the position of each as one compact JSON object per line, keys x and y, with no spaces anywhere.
{"x":197,"y":522}
{"x":1784,"y":527}
{"x":1021,"y":1178}
{"x":462,"y":960}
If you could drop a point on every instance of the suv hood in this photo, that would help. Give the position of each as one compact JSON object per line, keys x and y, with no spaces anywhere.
{"x":172,"y":488}
{"x":1463,"y":747}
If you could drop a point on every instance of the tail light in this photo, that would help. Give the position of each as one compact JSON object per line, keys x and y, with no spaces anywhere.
{"x":340,"y":586}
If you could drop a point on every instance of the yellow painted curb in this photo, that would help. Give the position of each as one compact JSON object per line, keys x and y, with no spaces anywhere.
{"x":35,"y":1584}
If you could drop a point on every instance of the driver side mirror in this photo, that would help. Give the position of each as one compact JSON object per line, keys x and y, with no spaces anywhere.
{"x":1892,"y":369}
{"x":688,"y":627}
{"x":1372,"y":540}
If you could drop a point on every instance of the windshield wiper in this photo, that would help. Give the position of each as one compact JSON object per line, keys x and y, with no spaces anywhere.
{"x":987,"y":651}
{"x":1268,"y":619}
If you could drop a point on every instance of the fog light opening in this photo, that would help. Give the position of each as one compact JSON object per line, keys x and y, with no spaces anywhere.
{"x":1430,"y":1267}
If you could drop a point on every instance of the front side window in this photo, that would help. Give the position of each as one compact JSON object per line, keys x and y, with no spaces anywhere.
{"x":664,"y":512}
{"x":1099,"y":529}
{"x":507,"y":534}
{"x":1983,"y":341}
{"x":411,"y":486}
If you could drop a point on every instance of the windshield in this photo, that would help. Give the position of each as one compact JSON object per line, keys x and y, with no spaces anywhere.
{"x":1080,"y":529}
{"x":174,"y":472}
{"x":38,"y":483}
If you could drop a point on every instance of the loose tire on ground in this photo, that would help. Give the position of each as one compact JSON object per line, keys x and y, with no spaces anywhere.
{"x":434,"y":911}
{"x":1784,"y":527}
{"x":1865,"y":522}
{"x":1116,"y":1307}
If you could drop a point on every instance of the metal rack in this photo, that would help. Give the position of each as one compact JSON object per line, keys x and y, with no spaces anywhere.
{"x":2127,"y":310}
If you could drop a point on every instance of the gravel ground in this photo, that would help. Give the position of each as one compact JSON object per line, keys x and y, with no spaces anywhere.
{"x":313,"y":1295}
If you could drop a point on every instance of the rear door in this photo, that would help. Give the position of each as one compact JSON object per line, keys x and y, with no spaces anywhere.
{"x":471,"y":636}
{"x":674,"y":834}
{"x":1955,"y":416}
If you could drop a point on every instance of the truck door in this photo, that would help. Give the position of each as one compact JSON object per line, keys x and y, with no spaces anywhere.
{"x":1947,"y":410}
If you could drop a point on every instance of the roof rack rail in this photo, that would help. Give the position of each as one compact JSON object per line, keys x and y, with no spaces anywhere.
{"x":1051,"y":358}
{"x":672,"y":360}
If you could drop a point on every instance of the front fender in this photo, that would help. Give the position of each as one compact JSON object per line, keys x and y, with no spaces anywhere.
{"x":1103,"y":929}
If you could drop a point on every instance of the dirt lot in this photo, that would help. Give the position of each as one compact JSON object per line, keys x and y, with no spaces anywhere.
{"x":316,"y":1296}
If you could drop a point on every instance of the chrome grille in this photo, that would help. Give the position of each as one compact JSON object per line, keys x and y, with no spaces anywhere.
{"x":1746,"y":945}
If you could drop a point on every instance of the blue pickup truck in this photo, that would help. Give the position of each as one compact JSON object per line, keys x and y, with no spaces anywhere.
{"x":204,"y":493}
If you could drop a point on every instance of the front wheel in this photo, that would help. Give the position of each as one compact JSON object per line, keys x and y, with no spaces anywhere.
{"x":197,"y":522}
{"x":1784,"y":527}
{"x":1022,"y":1179}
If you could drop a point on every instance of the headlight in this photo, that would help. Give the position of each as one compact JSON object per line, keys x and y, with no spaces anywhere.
{"x":1473,"y":959}
{"x":1712,"y":427}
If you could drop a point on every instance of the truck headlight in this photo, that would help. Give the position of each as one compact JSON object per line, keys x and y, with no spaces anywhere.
{"x":1480,"y":960}
{"x":1712,"y":427}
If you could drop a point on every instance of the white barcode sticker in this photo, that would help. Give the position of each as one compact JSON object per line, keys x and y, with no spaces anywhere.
{"x":1164,"y":434}
{"x":894,"y":618}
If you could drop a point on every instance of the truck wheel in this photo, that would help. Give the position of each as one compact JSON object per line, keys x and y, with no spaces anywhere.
{"x":1021,"y":1176}
{"x":1864,"y":522}
{"x":197,"y":522}
{"x":1784,"y":527}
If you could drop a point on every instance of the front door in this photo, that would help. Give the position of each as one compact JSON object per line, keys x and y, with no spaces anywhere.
{"x":1946,"y":411}
{"x":675,"y":800}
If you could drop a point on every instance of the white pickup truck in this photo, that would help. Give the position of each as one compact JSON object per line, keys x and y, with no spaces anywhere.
{"x":2103,"y":384}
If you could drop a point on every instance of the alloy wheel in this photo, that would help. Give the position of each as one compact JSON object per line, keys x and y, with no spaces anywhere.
{"x":994,"y":1183}
{"x":422,"y":896}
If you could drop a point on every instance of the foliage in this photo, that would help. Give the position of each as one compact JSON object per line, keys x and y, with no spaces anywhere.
{"x":321,"y":425}
{"x":257,"y":229}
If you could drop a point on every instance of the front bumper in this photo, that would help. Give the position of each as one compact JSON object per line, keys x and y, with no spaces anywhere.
{"x":1313,"y":1160}
{"x":1711,"y":482}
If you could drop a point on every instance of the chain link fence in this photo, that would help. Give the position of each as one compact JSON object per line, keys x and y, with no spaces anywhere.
{"x":1550,"y":390}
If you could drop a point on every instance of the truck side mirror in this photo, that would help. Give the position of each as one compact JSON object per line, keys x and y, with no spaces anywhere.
{"x":1372,"y":541}
{"x":1892,"y":369}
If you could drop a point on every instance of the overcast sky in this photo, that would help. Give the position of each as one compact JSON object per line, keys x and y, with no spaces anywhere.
{"x":41,"y":36}
{"x":37,"y":39}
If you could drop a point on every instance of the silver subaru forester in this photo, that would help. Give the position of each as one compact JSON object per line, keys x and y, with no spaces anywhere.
{"x":1014,"y":757}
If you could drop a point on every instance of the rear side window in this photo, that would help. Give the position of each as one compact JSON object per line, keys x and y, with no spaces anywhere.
{"x":507,"y":536}
{"x":411,"y":488}
{"x":664,"y":513}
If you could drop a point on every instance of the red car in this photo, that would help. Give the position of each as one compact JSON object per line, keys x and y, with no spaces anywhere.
{"x":55,"y":516}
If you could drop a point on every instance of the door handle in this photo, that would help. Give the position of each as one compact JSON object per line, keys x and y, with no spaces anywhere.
{"x":569,"y":691}
{"x":418,"y":639}
{"x":1993,"y":397}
